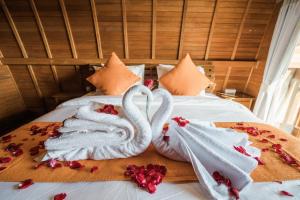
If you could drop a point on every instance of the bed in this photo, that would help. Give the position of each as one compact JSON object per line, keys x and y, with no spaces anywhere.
{"x":207,"y":107}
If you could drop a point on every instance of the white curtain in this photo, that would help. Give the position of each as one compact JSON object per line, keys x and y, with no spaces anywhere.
{"x":283,"y":43}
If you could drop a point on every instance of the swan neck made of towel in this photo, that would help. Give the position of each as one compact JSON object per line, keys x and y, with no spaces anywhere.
{"x":143,"y":136}
{"x":163,"y":113}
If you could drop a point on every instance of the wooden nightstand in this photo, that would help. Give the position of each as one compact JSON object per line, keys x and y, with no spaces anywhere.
{"x":239,"y":97}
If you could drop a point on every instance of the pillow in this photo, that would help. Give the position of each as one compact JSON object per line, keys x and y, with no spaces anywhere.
{"x":114,"y":78}
{"x":162,"y":69}
{"x":138,"y":70}
{"x":184,"y":79}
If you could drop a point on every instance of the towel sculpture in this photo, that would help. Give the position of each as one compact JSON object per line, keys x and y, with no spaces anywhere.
{"x":207,"y":148}
{"x":99,"y":135}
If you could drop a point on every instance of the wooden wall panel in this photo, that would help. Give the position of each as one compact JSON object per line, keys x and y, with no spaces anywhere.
{"x":168,"y":28}
{"x":257,"y":75}
{"x":80,"y":17}
{"x":256,"y":21}
{"x":11,"y":101}
{"x":52,"y":19}
{"x":111,"y":26}
{"x":228,"y":19}
{"x":20,"y":73}
{"x":139,"y":20}
{"x":198,"y":19}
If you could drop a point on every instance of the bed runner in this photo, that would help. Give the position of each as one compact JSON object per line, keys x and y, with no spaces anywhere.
{"x":275,"y":167}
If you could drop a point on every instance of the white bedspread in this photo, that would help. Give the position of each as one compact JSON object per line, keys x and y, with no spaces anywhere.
{"x":209,"y":108}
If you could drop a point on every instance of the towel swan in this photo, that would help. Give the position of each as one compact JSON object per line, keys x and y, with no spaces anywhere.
{"x":99,"y":136}
{"x":200,"y":145}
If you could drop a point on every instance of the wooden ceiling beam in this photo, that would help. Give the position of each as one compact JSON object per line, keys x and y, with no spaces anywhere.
{"x":45,"y":40}
{"x":237,"y":40}
{"x":13,"y":78}
{"x":265,"y":30}
{"x":125,"y":32}
{"x":69,"y":30}
{"x":226,"y":78}
{"x":96,"y":28}
{"x":211,"y":30}
{"x":87,"y":61}
{"x":181,"y":37}
{"x":21,"y":46}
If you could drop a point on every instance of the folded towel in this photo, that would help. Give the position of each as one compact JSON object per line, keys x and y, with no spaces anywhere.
{"x":96,"y":133}
{"x":207,"y":148}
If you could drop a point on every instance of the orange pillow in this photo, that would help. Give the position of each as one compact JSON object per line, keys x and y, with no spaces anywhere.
{"x":114,"y":78}
{"x":185,"y":79}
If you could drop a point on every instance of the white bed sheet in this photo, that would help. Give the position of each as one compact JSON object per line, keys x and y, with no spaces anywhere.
{"x":208,"y":108}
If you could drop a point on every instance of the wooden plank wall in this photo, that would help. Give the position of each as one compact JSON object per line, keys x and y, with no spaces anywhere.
{"x":43,"y":41}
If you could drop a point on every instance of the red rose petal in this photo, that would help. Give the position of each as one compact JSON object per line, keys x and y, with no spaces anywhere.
{"x":260,"y":161}
{"x":242,"y":150}
{"x":25,"y":184}
{"x":271,"y":136}
{"x":2,"y":168}
{"x":234,"y":192}
{"x":265,"y":149}
{"x":149,"y":83}
{"x":93,"y":169}
{"x":285,"y":193}
{"x":60,"y":196}
{"x":5,"y":160}
{"x":74,"y":165}
{"x":264,"y":141}
{"x":151,"y":188}
{"x":283,"y":139}
{"x":146,"y":177}
{"x":166,"y":138}
{"x":6,"y":138}
{"x":276,"y":146}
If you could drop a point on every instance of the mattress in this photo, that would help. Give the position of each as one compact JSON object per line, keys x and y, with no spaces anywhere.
{"x":201,"y":108}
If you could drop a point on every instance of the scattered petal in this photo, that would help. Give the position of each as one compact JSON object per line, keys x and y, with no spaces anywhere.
{"x":60,"y":196}
{"x":242,"y":150}
{"x":264,"y":140}
{"x":276,"y":146}
{"x":166,"y":138}
{"x":146,"y":177}
{"x":234,"y":192}
{"x":260,"y":161}
{"x":271,"y":136}
{"x":149,"y":83}
{"x":93,"y":169}
{"x":283,"y":139}
{"x":5,"y":160}
{"x":25,"y":184}
{"x":74,"y":165}
{"x":2,"y":168}
{"x":265,"y":149}
{"x":285,"y":193}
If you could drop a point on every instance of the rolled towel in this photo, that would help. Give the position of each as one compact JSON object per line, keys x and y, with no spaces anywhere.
{"x":98,"y":135}
{"x":207,"y":148}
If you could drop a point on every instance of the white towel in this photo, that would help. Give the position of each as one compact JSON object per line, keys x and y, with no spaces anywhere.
{"x":97,"y":135}
{"x":208,"y":148}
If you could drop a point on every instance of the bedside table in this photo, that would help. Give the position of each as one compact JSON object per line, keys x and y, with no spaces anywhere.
{"x":239,"y":97}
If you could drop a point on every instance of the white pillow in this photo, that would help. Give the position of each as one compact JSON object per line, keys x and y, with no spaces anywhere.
{"x":138,"y":70}
{"x":161,"y":69}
